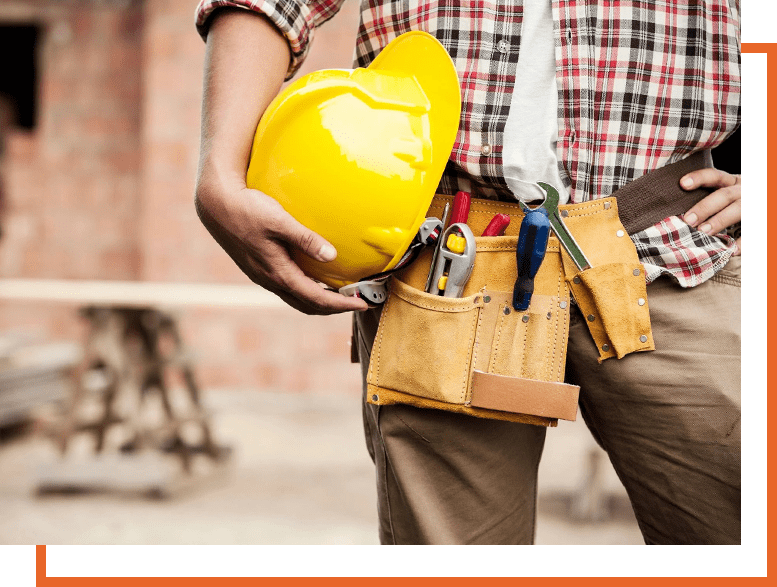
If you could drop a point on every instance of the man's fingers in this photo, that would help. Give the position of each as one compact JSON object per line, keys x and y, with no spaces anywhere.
{"x":285,"y":279}
{"x":721,"y":208}
{"x":320,"y":300}
{"x":258,"y":237}
{"x":728,"y":216}
{"x":708,"y":177}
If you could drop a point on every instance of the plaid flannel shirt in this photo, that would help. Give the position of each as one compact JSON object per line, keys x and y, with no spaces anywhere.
{"x":641,"y":84}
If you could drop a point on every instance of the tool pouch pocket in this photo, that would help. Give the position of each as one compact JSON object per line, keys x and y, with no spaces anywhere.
{"x":425,"y":343}
{"x":475,"y":354}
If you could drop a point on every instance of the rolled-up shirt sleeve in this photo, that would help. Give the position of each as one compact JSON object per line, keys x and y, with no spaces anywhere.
{"x":296,"y":20}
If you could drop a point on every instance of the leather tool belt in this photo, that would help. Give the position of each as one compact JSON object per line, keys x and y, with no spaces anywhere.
{"x":476,"y":355}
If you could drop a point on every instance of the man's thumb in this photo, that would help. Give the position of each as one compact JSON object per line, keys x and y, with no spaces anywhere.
{"x":313,"y":245}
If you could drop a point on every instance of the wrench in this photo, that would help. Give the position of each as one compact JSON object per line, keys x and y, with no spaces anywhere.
{"x":550,"y":204}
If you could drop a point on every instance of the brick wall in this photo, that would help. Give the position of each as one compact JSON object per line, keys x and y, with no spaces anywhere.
{"x":102,"y":188}
{"x":73,"y":182}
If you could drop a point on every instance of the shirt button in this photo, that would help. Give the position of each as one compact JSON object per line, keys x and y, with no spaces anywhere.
{"x":503,"y":46}
{"x":485,"y":149}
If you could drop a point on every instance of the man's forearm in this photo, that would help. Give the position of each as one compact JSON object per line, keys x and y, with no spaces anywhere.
{"x":245,"y":63}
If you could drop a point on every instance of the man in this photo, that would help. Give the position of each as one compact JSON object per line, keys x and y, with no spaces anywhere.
{"x":587,"y":96}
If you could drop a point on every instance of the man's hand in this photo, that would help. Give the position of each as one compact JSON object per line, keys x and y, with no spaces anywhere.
{"x":245,"y":63}
{"x":719,"y":210}
{"x":257,"y":233}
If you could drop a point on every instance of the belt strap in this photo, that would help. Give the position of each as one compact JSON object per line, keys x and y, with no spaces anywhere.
{"x":658,"y":195}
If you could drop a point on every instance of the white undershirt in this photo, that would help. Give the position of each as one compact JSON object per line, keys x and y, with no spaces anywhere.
{"x":531,"y":131}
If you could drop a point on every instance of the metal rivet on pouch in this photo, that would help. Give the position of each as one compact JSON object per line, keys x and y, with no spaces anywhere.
{"x":476,"y":300}
{"x":641,"y":301}
{"x":591,"y":317}
{"x":486,"y":299}
{"x":643,"y":338}
{"x":607,"y":205}
{"x":506,"y":310}
{"x":374,"y":398}
{"x":562,"y":305}
{"x":564,"y":213}
{"x":550,"y":315}
{"x":605,"y":347}
{"x":636,"y":272}
{"x":525,"y":318}
{"x":576,"y":280}
{"x":620,"y":233}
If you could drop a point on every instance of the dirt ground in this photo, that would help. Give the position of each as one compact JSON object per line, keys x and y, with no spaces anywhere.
{"x":299,"y":474}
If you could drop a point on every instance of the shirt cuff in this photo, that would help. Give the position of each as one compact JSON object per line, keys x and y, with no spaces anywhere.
{"x":295,"y":19}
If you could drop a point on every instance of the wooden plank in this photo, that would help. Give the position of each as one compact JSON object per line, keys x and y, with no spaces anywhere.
{"x":137,"y":293}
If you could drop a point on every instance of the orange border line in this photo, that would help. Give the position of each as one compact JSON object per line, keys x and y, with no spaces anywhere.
{"x":770,"y":49}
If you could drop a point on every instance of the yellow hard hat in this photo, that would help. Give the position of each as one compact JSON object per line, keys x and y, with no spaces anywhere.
{"x":356,"y":155}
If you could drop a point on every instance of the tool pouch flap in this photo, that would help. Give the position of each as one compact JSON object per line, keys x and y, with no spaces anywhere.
{"x":612,"y":294}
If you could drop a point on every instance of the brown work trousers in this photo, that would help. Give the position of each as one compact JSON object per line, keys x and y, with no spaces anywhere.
{"x":669,"y":420}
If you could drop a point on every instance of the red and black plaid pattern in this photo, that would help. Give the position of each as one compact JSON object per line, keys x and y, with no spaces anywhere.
{"x":673,"y":248}
{"x":296,"y":19}
{"x":483,"y":39}
{"x":642,"y":83}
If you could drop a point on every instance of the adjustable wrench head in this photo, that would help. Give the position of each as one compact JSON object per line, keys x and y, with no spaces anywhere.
{"x":551,"y":198}
{"x":559,"y":228}
{"x":550,"y":203}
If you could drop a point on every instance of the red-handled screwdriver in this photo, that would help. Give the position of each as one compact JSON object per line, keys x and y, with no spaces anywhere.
{"x":461,"y":203}
{"x":497,"y":226}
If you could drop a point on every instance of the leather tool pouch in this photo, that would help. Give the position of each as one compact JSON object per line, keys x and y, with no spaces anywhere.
{"x":478,"y":356}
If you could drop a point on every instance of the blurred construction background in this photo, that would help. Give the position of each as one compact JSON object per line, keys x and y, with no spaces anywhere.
{"x":250,"y":427}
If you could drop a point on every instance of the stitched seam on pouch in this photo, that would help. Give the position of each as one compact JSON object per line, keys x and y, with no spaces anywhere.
{"x":475,"y":349}
{"x":489,"y":248}
{"x":498,"y":336}
{"x":490,"y":205}
{"x":381,"y":328}
{"x":555,"y":329}
{"x":565,"y":313}
{"x":597,"y":204}
{"x":525,"y":338}
{"x":430,"y":306}
{"x":472,"y":360}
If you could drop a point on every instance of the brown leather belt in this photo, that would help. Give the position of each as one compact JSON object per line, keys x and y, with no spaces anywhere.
{"x":658,"y":195}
